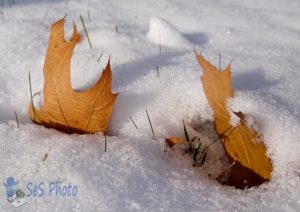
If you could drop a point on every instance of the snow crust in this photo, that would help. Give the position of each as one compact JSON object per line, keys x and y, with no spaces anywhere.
{"x":138,"y":173}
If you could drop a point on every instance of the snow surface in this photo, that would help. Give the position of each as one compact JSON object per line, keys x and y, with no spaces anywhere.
{"x":163,"y":33}
{"x":137,"y":173}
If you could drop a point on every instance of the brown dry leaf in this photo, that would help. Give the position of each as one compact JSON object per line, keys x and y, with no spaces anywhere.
{"x":242,"y":144}
{"x":65,"y":109}
{"x":171,"y":141}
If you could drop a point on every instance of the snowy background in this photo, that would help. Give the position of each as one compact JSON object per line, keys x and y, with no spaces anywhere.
{"x":138,"y":173}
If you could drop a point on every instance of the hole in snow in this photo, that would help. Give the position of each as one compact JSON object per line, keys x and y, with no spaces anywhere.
{"x":207,"y":153}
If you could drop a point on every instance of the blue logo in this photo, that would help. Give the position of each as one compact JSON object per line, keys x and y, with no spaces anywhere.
{"x":17,"y":197}
{"x":52,"y":189}
{"x":14,"y":195}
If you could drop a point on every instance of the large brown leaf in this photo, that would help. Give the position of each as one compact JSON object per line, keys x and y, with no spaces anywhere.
{"x":242,"y":144}
{"x":64,"y":109}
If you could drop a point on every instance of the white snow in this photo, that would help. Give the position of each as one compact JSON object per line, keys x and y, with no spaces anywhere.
{"x":137,"y":173}
{"x":162,"y":32}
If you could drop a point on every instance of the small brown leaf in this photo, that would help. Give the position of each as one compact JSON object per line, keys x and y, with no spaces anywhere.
{"x":171,"y":141}
{"x":242,"y":144}
{"x":64,"y":109}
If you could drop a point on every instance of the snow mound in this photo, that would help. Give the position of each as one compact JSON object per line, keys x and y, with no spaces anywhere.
{"x":162,"y":32}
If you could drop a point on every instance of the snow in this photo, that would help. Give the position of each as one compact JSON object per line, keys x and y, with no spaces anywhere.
{"x":138,"y":173}
{"x":163,"y":33}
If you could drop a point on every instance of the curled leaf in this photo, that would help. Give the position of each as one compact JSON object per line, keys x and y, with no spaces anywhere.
{"x":63,"y":108}
{"x":242,"y":144}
